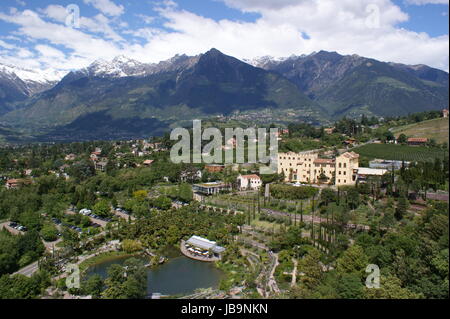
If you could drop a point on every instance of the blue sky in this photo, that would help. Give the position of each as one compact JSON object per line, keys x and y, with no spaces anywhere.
{"x":431,"y":18}
{"x":34,"y":34}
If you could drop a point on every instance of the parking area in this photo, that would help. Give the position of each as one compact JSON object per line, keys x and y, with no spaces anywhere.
{"x":97,"y":221}
{"x":13,"y":227}
{"x":122,"y":213}
{"x":102,"y":221}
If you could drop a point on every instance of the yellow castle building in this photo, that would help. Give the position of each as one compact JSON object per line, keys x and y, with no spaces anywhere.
{"x":307,"y":167}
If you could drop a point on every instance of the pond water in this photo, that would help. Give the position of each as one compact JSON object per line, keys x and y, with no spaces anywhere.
{"x":179,"y":275}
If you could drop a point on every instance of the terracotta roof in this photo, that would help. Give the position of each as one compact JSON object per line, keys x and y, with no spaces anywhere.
{"x":351,"y":155}
{"x":323,"y":161}
{"x":148,"y":162}
{"x":18,"y":181}
{"x":418,"y":139}
{"x":252,"y":176}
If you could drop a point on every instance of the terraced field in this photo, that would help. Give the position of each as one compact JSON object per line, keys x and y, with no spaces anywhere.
{"x":400,"y":152}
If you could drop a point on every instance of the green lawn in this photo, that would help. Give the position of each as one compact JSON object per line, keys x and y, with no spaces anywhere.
{"x":400,"y":152}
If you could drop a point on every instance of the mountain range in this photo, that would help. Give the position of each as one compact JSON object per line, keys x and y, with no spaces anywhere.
{"x":125,"y":98}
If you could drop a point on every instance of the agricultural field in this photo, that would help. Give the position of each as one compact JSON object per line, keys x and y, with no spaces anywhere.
{"x":400,"y":152}
{"x":436,"y":129}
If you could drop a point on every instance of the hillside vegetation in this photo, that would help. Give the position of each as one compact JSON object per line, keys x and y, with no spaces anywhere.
{"x":436,"y":129}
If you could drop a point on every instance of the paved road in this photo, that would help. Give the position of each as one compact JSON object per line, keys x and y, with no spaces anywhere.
{"x":28,"y":270}
{"x":49,"y":245}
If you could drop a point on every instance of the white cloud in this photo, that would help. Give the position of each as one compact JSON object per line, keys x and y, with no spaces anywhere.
{"x":24,"y":53}
{"x":6,"y":45}
{"x":84,"y":47}
{"x":107,"y":7}
{"x":345,"y":26}
{"x":98,"y":24}
{"x":49,"y":51}
{"x":257,"y":5}
{"x":55,"y":12}
{"x":366,"y":27}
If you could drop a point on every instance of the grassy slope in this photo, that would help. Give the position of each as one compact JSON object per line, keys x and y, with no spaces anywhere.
{"x":436,"y":129}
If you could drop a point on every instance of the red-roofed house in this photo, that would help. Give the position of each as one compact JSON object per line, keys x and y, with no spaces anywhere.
{"x":16,"y":183}
{"x":417,"y":141}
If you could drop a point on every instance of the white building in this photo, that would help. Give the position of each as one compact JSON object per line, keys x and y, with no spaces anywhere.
{"x":249,"y":182}
{"x":205,"y":245}
{"x":363,"y":173}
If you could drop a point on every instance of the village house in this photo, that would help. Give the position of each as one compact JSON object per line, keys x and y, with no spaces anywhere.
{"x":207,"y":189}
{"x":214,"y":168}
{"x":328,"y":130}
{"x":101,"y":165}
{"x":190,"y":175}
{"x":246,"y":182}
{"x":94,"y":157}
{"x":350,"y":141}
{"x":445,"y":113}
{"x":70,"y":157}
{"x":16,"y":183}
{"x":156,"y":147}
{"x":417,"y":141}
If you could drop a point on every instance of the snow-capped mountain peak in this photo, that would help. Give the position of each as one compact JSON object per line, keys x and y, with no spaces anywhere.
{"x":123,"y":66}
{"x":31,"y":81}
{"x":120,"y":66}
{"x":38,"y":76}
{"x":263,"y":61}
